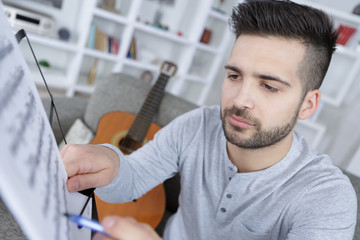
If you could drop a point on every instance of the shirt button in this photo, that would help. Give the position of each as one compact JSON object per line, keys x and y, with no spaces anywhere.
{"x":228,"y":195}
{"x":229,"y":178}
{"x":223,"y":210}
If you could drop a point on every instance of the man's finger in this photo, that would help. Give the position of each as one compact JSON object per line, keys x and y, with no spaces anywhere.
{"x":128,"y":229}
{"x":85,"y":181}
{"x":100,"y":236}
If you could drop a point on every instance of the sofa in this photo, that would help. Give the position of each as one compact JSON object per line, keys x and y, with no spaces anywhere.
{"x":124,"y":93}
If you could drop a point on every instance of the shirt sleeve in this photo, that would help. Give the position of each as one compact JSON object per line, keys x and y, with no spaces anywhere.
{"x":326,"y":210}
{"x":150,"y":165}
{"x":118,"y":190}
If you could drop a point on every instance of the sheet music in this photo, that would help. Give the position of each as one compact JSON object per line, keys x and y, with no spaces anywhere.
{"x":32,"y":176}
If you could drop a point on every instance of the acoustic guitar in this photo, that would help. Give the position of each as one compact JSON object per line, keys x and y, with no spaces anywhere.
{"x":129,"y":133}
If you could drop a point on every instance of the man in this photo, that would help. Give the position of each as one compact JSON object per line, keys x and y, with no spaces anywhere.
{"x":245,"y":173}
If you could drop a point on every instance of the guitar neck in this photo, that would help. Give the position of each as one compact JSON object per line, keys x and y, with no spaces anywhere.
{"x":149,"y":109}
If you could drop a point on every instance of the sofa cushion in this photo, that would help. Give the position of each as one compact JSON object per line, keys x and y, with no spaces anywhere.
{"x":78,"y":133}
{"x":69,"y":109}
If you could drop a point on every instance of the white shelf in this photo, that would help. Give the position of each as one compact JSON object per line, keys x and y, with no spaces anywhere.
{"x":180,"y":44}
{"x":313,"y":132}
{"x":113,"y":17}
{"x":140,"y":65}
{"x":207,"y":48}
{"x":53,"y":77}
{"x":52,"y":42}
{"x":186,"y":51}
{"x":346,"y":51}
{"x":194,"y":78}
{"x":100,"y":54}
{"x":218,"y":15}
{"x":345,"y":64}
{"x":333,"y":12}
{"x":84,"y":89}
{"x":354,"y":165}
{"x":336,"y":89}
{"x":161,"y":33}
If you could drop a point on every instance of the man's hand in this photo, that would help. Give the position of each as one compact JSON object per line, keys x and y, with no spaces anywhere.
{"x":126,"y":228}
{"x":89,"y":166}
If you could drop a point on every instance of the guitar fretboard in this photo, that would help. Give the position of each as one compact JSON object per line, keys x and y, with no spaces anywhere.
{"x":149,"y":109}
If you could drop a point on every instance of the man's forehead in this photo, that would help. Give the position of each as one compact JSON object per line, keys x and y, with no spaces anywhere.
{"x":270,"y":57}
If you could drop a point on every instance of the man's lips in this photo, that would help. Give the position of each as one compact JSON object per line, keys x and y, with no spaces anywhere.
{"x":238,"y":121}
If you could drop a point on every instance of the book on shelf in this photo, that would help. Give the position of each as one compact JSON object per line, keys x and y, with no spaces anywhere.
{"x":101,"y":41}
{"x":132,"y":49}
{"x":345,"y":33}
{"x":91,"y":40}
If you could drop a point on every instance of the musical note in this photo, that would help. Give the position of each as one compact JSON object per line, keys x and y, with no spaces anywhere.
{"x":48,"y":176}
{"x":5,"y":48}
{"x":7,"y":93}
{"x":24,"y":125}
{"x":34,"y":159}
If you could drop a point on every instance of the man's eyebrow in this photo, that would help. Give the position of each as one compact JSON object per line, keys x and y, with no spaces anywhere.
{"x":233,"y":68}
{"x":273,"y":78}
{"x":261,"y":76}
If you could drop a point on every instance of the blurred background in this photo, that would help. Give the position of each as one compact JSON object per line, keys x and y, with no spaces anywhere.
{"x":79,"y":43}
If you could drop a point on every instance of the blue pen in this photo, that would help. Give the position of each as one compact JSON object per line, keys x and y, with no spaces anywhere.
{"x":85,"y":222}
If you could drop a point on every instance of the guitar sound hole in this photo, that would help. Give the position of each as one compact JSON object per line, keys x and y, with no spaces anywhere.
{"x":127,"y":145}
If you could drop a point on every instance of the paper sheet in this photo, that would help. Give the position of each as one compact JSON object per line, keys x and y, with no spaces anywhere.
{"x":32,"y":176}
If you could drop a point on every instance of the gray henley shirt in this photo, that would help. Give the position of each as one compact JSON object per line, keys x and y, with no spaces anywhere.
{"x":304,"y":196}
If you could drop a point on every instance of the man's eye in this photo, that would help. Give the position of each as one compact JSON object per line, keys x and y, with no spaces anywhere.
{"x":270,"y":88}
{"x":233,"y":76}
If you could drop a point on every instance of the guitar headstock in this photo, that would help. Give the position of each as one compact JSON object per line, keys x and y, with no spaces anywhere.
{"x":168,"y":68}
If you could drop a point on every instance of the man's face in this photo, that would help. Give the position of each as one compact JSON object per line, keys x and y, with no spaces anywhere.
{"x":262,"y":92}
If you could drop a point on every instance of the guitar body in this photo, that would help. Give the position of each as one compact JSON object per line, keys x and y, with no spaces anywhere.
{"x":149,"y":208}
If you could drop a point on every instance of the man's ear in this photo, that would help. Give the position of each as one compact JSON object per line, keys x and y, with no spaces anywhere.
{"x":310,"y":104}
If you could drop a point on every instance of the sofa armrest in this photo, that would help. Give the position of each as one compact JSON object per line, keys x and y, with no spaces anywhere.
{"x":68,"y":109}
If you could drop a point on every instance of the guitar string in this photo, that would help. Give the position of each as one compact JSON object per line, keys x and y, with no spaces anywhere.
{"x":146,"y":114}
{"x":133,"y":131}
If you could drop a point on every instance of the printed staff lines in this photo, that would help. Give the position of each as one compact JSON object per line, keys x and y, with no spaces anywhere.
{"x":34,"y":159}
{"x":56,"y":187}
{"x":60,"y":201}
{"x":53,"y":184}
{"x":5,"y":47}
{"x":67,"y":226}
{"x":9,"y":90}
{"x":32,"y":167}
{"x":48,"y":181}
{"x":20,"y":132}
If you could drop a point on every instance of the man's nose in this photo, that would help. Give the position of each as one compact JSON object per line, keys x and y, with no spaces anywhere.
{"x":244,"y":97}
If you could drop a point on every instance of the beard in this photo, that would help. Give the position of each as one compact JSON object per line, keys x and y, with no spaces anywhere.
{"x":262,"y":137}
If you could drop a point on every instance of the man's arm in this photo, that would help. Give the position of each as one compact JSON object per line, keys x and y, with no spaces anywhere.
{"x":123,"y":178}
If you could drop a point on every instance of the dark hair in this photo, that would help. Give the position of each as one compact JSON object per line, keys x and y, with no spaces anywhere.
{"x":282,"y":18}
